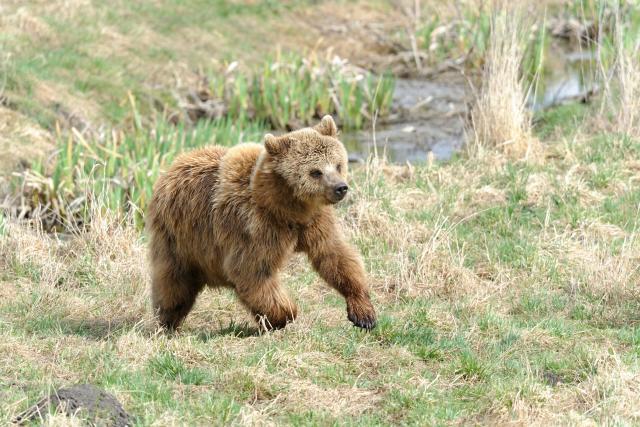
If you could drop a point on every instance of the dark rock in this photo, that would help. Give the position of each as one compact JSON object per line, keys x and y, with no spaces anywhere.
{"x":85,"y":400}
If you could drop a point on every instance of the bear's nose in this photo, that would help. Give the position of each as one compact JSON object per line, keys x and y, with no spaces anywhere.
{"x":341,"y":190}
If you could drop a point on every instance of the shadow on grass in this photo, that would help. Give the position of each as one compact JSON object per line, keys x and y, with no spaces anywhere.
{"x":243,"y":330}
{"x":100,"y":329}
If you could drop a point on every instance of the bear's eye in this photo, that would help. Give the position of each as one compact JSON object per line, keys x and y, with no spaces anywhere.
{"x":316,"y":173}
{"x":339,"y":168}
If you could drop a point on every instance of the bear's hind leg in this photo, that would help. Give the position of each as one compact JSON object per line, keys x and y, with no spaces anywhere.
{"x":174,"y":292}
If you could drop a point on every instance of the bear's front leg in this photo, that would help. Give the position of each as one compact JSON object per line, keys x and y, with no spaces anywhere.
{"x":261,"y":292}
{"x":340,"y":266}
{"x":268,"y":302}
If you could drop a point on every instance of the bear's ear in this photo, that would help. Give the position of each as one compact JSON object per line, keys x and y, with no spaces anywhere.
{"x":327,"y":126}
{"x":277,"y":145}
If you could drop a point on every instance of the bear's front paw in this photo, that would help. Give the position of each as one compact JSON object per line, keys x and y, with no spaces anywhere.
{"x":278,"y":317}
{"x":361,"y":313}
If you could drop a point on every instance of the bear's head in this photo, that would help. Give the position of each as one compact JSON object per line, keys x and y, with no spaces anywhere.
{"x":312,"y":161}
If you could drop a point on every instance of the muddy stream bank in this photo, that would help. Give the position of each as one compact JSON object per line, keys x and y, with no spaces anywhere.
{"x":430,"y":115}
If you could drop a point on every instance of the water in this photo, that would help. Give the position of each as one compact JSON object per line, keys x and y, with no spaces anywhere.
{"x":569,"y":76}
{"x":429,"y":115}
{"x":426,"y":116}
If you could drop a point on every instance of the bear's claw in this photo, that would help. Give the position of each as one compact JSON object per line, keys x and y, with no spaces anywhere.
{"x":368,"y":323}
{"x":362,"y":314}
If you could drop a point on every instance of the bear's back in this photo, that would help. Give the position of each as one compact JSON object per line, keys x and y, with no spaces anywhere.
{"x":204,"y":193}
{"x":182,"y":196}
{"x":236,"y":168}
{"x":232,"y":204}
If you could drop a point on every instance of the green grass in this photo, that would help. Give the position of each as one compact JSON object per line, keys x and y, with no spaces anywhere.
{"x":447,"y":39}
{"x":88,"y":61}
{"x":506,"y":290}
{"x":539,"y":312}
{"x":467,"y":36}
{"x":94,"y":55}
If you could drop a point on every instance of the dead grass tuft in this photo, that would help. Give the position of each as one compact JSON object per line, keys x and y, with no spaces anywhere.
{"x":62,"y":420}
{"x":612,"y":392}
{"x":538,"y":188}
{"x":622,"y":95}
{"x":23,"y":21}
{"x":599,"y":271}
{"x":499,"y":117}
{"x":337,"y":401}
{"x":21,"y":140}
{"x":110,"y":252}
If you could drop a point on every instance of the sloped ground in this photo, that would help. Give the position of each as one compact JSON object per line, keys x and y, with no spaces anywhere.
{"x":21,"y":140}
{"x":79,"y":63}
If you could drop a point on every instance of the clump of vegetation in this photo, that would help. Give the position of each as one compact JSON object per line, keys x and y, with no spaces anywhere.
{"x":622,"y":87}
{"x":465,"y":37}
{"x":117,"y":168}
{"x":468,"y":38}
{"x":500,"y":118}
{"x":293,"y":90}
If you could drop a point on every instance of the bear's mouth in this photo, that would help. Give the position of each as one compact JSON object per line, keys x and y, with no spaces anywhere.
{"x":333,"y":200}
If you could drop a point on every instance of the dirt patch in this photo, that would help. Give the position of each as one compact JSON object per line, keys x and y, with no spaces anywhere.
{"x":91,"y":402}
{"x":362,"y":32}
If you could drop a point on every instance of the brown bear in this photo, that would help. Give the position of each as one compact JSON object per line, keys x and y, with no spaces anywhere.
{"x":232,"y":217}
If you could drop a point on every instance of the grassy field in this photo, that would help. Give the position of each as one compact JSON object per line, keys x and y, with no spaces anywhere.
{"x":507,"y":285}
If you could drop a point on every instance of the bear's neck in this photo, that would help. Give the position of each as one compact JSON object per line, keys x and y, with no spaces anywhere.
{"x":271,"y":192}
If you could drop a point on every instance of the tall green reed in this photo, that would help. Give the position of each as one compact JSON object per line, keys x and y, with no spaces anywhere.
{"x":293,"y":90}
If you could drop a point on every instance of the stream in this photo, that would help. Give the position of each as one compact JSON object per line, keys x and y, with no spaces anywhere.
{"x":430,"y":115}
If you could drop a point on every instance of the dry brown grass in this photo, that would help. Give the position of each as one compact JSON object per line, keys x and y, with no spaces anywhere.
{"x":111,"y":252}
{"x":20,"y":140}
{"x":622,"y":87}
{"x":499,"y":117}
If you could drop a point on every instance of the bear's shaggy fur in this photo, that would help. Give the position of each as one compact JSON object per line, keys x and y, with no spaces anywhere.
{"x":232,"y":217}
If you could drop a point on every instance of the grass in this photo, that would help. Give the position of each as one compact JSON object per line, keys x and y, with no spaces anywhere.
{"x":507,"y":290}
{"x":293,"y":91}
{"x":466,"y":35}
{"x":89,"y":58}
{"x":517,"y":325}
{"x":626,"y":85}
{"x":79,"y":67}
{"x":499,"y":117}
